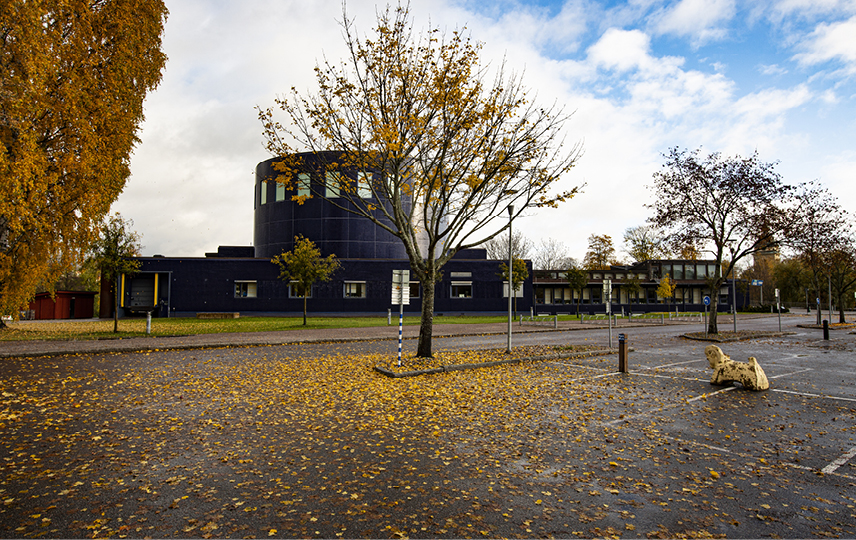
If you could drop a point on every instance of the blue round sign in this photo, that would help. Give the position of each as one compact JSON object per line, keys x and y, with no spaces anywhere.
{"x":707,"y":300}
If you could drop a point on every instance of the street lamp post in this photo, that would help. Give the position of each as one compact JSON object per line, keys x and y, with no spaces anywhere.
{"x":510,"y":274}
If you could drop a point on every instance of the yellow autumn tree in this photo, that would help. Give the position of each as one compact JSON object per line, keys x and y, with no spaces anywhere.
{"x":441,"y":145}
{"x":73,"y":77}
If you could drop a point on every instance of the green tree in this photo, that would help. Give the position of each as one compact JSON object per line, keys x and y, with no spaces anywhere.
{"x":305,"y":266}
{"x":73,"y":77}
{"x":733,"y":207}
{"x":577,"y":280}
{"x":444,"y":146}
{"x":842,"y":275}
{"x":519,"y":275}
{"x":111,"y":252}
{"x":643,"y":243}
{"x":600,"y":254}
{"x":666,"y":289}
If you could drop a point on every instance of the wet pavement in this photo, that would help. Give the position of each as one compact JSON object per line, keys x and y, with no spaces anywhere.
{"x":247,"y":436}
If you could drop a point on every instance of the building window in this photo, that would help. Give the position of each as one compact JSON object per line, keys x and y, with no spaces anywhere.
{"x":462,"y":289}
{"x":364,"y":190}
{"x":280,"y":192}
{"x":355,"y":289}
{"x":332,"y":185}
{"x":454,"y":275}
{"x":263,"y":192}
{"x":303,"y":185}
{"x":295,"y":290}
{"x":414,"y":289}
{"x":517,"y":294}
{"x":245,"y":289}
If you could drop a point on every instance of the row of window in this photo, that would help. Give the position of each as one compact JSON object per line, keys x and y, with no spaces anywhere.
{"x":351,"y":289}
{"x":593,"y":295}
{"x":357,"y":289}
{"x":333,"y":185}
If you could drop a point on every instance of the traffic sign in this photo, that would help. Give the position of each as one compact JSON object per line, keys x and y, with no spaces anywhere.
{"x":707,"y":300}
{"x":757,"y":282}
{"x":401,"y":287}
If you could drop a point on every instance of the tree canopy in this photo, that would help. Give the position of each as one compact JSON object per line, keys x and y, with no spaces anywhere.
{"x":111,"y":253}
{"x":643,"y":243}
{"x":600,"y":254}
{"x":305,"y":266}
{"x":73,"y":77}
{"x":729,"y":206}
{"x":442,"y":145}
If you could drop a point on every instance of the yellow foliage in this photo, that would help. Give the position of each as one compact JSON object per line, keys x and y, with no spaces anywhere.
{"x":74,"y":77}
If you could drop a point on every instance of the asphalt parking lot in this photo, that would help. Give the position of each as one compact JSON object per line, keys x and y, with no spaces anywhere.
{"x":307,"y":441}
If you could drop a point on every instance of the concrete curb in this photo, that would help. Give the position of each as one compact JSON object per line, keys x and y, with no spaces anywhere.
{"x":462,"y":367}
{"x":758,"y":335}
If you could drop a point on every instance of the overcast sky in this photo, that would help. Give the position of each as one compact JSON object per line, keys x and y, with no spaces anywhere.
{"x":642,"y":76}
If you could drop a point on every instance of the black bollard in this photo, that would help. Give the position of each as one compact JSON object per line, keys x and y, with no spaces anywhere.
{"x":825,"y":329}
{"x":622,"y":353}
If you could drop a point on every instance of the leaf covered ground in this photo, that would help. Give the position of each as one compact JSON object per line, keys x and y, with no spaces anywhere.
{"x":306,"y":442}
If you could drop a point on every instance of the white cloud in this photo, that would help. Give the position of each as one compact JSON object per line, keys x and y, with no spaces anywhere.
{"x":773,"y":69}
{"x":831,"y":41}
{"x":702,"y":20}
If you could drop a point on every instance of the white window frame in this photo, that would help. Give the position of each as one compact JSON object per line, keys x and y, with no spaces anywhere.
{"x":332,"y":185}
{"x":364,"y":190}
{"x":460,"y":284}
{"x":304,"y":185}
{"x":361,"y":290}
{"x":246,"y":288}
{"x":292,"y":291}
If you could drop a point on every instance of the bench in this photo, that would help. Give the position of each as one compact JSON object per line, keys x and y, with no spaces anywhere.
{"x":218,"y":315}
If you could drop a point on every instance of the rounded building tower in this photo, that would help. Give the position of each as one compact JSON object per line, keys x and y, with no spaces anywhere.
{"x":278,"y":218}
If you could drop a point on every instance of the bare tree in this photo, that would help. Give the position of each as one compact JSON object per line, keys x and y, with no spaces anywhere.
{"x":497,"y":247}
{"x":552,"y":254}
{"x":440,"y":145}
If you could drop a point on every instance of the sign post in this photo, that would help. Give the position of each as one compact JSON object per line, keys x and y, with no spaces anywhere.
{"x":607,"y":298}
{"x":779,"y":309}
{"x":400,"y":296}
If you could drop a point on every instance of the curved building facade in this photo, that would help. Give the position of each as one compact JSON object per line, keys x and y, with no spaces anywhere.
{"x":278,"y":218}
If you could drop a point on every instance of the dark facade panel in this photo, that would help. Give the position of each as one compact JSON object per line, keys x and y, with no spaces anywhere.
{"x":334,"y":230}
{"x":251,"y":286}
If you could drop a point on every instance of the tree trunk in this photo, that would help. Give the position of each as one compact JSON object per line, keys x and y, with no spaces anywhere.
{"x":426,"y":326}
{"x":304,"y":308}
{"x":841,"y":309}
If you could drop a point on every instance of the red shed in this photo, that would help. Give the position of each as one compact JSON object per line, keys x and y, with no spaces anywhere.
{"x":64,"y":305}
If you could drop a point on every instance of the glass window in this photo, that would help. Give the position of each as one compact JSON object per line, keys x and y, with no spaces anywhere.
{"x":263,"y":192}
{"x":334,"y":181}
{"x":462,"y":289}
{"x":678,"y":270}
{"x":711,"y":270}
{"x":280,"y":192}
{"x":702,"y":271}
{"x":303,"y":185}
{"x":460,"y":274}
{"x":414,"y":289}
{"x":364,"y":190}
{"x":355,"y":289}
{"x":295,"y":290}
{"x":689,"y":271}
{"x":245,"y":289}
{"x":517,"y":294}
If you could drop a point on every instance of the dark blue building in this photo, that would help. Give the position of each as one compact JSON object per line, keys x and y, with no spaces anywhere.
{"x":244,"y":280}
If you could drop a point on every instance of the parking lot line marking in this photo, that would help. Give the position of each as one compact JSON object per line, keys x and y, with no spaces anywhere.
{"x":789,"y":374}
{"x":832,"y":467}
{"x":675,"y":364}
{"x":807,"y":394}
{"x":704,"y":396}
{"x":668,"y":377}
